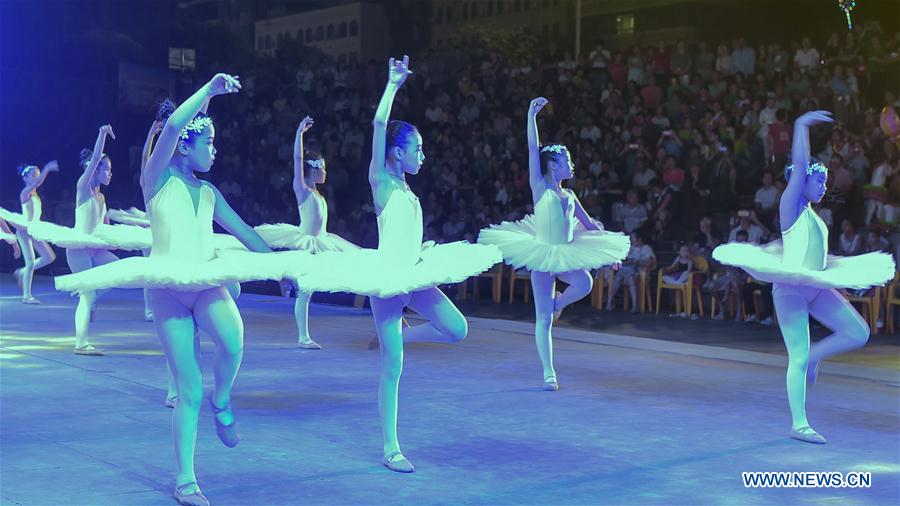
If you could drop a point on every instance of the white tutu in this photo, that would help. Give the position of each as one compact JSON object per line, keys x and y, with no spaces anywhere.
{"x":17,"y":220}
{"x":589,"y":249}
{"x":374,"y":273}
{"x":287,"y":236}
{"x":228,"y":266}
{"x":110,"y":237}
{"x":130,"y":216}
{"x":764,"y":263}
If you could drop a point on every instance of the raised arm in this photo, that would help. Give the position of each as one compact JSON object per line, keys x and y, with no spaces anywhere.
{"x":300,"y":189}
{"x":155,"y":128}
{"x":398,"y":71}
{"x":584,"y":217}
{"x":535,"y":179}
{"x":83,"y":186}
{"x":156,"y":165}
{"x":793,"y":193}
{"x":25,"y":194}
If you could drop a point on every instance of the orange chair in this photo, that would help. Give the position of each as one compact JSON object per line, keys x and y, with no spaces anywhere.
{"x":684,"y":291}
{"x":891,"y":301}
{"x":870,"y":305}
{"x":519,"y":275}
{"x":495,"y":274}
{"x":600,"y":284}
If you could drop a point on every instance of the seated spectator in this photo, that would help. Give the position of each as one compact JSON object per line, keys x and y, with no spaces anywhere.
{"x":766,"y":199}
{"x":640,"y":258}
{"x":633,"y":214}
{"x":750,"y":224}
{"x":849,"y":242}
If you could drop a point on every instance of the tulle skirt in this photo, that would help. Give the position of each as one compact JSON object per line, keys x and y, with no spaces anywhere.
{"x":764,"y":263}
{"x":590,"y":249}
{"x":287,"y":236}
{"x":373,"y":273}
{"x":130,"y":216}
{"x":17,"y":220}
{"x":228,"y":266}
{"x":110,"y":237}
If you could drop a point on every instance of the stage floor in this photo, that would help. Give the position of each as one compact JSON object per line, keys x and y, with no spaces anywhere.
{"x":639,"y":419}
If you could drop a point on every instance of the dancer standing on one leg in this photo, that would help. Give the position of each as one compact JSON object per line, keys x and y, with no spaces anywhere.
{"x":32,"y":207}
{"x":402,"y":272}
{"x":559,"y":241}
{"x":187,"y":276}
{"x":805,"y":276}
{"x":312,"y":234}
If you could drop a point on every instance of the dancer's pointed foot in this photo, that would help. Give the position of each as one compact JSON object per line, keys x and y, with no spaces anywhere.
{"x":557,"y":311}
{"x":373,"y":344}
{"x":808,"y":435}
{"x":89,"y":350}
{"x":308,"y":344}
{"x":395,"y":461}
{"x":189,"y":494}
{"x":812,"y":373}
{"x":30,"y":300}
{"x":227,"y":432}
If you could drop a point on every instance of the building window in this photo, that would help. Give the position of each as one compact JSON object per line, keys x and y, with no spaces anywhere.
{"x":465,"y":12}
{"x":500,"y":6}
{"x":329,"y":33}
{"x":268,"y":41}
{"x":342,"y":29}
{"x":625,"y":24}
{"x":354,"y":28}
{"x":489,"y":8}
{"x":439,"y":17}
{"x":474,"y":10}
{"x":320,"y":33}
{"x":309,"y":34}
{"x":517,"y":5}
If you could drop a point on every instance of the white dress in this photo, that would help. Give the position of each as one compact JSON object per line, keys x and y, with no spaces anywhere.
{"x":183,"y":256}
{"x":801,"y":258}
{"x":312,"y":234}
{"x":553,"y":240}
{"x":31,"y":213}
{"x":402,"y":264}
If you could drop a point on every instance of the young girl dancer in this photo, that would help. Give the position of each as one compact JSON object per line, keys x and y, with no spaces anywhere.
{"x":311,"y":235}
{"x":402,"y":271}
{"x":805,"y":276}
{"x":31,"y":212}
{"x":559,"y":241}
{"x":186,"y":276}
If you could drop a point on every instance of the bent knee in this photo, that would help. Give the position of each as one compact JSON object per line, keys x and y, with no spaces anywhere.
{"x":458,"y":329}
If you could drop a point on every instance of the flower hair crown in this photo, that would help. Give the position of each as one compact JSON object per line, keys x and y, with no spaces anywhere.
{"x":316,"y":163}
{"x":26,"y":169}
{"x":553,"y":148}
{"x":811,"y":168}
{"x":196,"y":126}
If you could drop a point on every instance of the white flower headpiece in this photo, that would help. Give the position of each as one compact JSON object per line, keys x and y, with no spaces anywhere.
{"x":196,"y":126}
{"x":26,"y":169}
{"x":553,"y":148}
{"x":811,"y":168}
{"x":316,"y":163}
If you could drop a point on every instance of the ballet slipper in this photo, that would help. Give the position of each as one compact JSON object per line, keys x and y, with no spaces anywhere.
{"x":195,"y":498}
{"x":89,"y":350}
{"x":395,"y":461}
{"x":228,"y":434}
{"x":309,"y":345}
{"x":807,"y":434}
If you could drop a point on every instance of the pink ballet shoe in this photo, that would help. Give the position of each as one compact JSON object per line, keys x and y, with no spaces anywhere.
{"x":395,"y":461}
{"x":228,"y":434}
{"x":309,"y":345}
{"x":195,"y":498}
{"x":30,"y":301}
{"x":808,"y":435}
{"x":550,"y":384}
{"x":89,"y":350}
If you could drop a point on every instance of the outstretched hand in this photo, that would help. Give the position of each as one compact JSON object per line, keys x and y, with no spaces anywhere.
{"x":51,"y":166}
{"x":536,"y":105}
{"x":814,"y":117}
{"x":398,"y":70}
{"x":222,"y":84}
{"x":107,"y":130}
{"x":305,"y":124}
